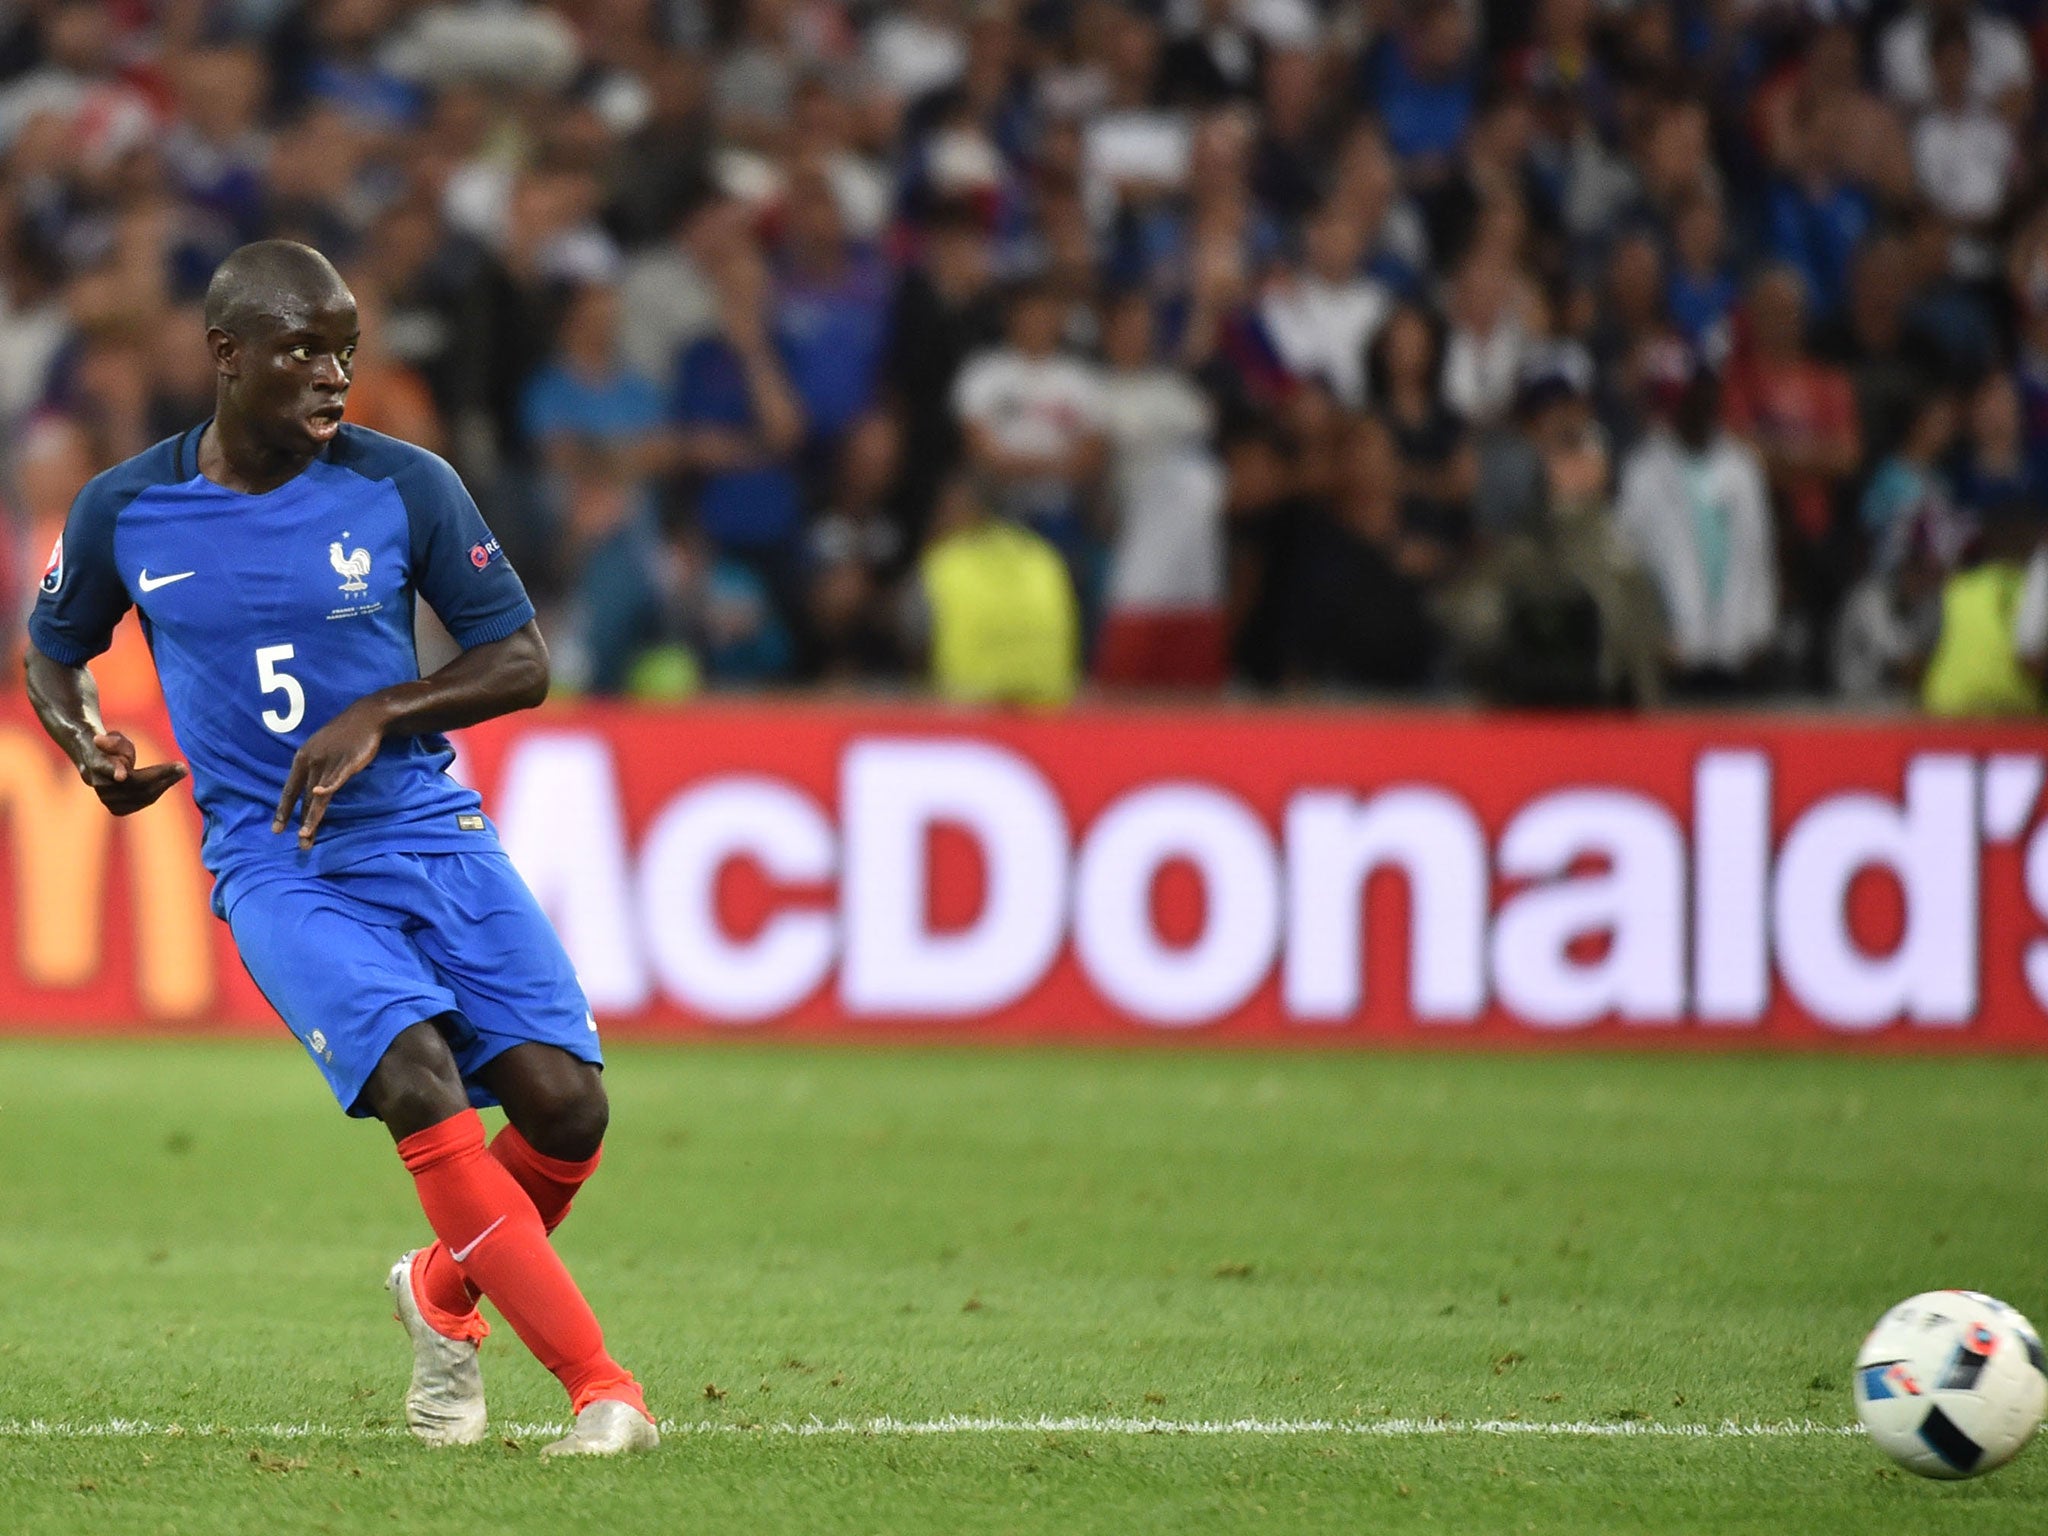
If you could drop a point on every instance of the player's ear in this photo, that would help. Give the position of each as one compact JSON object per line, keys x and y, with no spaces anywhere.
{"x":226,"y":351}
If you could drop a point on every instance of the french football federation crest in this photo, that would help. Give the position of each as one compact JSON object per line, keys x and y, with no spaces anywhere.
{"x":351,"y":565}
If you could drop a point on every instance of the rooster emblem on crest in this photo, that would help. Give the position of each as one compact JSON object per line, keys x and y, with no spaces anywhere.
{"x":352,"y":566}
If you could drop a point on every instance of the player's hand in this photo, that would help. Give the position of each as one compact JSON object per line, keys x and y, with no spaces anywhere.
{"x":109,"y":767}
{"x":332,"y":755}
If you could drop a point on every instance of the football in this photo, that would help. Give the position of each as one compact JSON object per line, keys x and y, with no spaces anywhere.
{"x":1951,"y":1383}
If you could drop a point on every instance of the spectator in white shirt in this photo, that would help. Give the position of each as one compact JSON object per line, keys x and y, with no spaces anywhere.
{"x":1133,"y":150}
{"x":917,"y":48}
{"x":1164,"y":626}
{"x":2001,"y":67}
{"x":1322,"y":316}
{"x":1964,"y":153}
{"x":1490,"y":338}
{"x":1694,"y":506}
{"x":1031,"y":417}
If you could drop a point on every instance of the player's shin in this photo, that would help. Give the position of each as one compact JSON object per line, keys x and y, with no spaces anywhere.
{"x":493,"y":1230}
{"x":446,"y":1294}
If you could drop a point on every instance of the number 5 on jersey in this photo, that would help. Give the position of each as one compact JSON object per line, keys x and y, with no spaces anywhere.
{"x":274,"y":681}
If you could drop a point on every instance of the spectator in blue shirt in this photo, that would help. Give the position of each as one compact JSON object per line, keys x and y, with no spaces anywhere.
{"x":1996,"y":467}
{"x":1815,"y":216}
{"x":585,"y":392}
{"x":831,"y":314}
{"x":1425,"y":86}
{"x":739,"y":428}
{"x":1701,"y":291}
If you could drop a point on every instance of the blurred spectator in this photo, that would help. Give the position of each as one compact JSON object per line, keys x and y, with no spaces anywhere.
{"x":1978,"y":668}
{"x":1031,"y":415}
{"x":917,"y":48}
{"x":217,"y":149}
{"x":2001,"y":68}
{"x":1436,"y":468}
{"x":1964,"y":152}
{"x":831,"y":311}
{"x":584,"y":393}
{"x":1321,"y":315}
{"x":1358,"y":613}
{"x":1801,"y":415}
{"x":1701,"y":291}
{"x":1163,"y":625}
{"x":1909,"y":486}
{"x":1215,"y":55}
{"x":1559,"y":610}
{"x":857,"y":553}
{"x":1693,"y":502}
{"x":1891,"y":620}
{"x":1888,"y":366}
{"x":1996,"y":467}
{"x":1632,"y":323}
{"x":1492,"y":333}
{"x":1425,"y":79}
{"x":608,"y":545}
{"x":739,"y":428}
{"x":666,"y":296}
{"x":1001,"y":623}
{"x":733,"y":616}
{"x":945,"y":310}
{"x":1264,"y":513}
{"x":1817,"y":213}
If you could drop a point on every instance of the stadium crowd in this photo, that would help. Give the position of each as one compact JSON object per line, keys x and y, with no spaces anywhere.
{"x":1562,"y":351}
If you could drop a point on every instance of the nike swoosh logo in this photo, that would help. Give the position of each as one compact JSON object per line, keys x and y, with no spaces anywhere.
{"x":150,"y":583}
{"x":460,"y":1254}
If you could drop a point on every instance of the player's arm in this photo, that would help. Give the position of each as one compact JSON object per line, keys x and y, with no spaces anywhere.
{"x":67,"y":701}
{"x":485,"y":681}
{"x":79,"y":601}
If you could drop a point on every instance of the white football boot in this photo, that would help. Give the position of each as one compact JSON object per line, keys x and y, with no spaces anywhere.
{"x":445,"y":1403}
{"x":606,"y":1427}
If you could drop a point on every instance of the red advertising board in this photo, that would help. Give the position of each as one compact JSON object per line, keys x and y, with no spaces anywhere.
{"x":1254,"y":875}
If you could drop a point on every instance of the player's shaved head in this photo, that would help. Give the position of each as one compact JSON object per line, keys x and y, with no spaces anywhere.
{"x":270,"y":281}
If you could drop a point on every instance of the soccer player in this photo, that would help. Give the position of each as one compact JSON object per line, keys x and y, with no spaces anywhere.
{"x":276,"y":555}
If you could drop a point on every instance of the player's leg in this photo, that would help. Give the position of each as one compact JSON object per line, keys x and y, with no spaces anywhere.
{"x":487,"y":939}
{"x":490,"y":1225}
{"x":352,"y":986}
{"x":557,"y":1112}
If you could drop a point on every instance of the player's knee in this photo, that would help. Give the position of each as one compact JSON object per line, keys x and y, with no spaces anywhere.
{"x":417,"y":1084}
{"x":569,"y":1117}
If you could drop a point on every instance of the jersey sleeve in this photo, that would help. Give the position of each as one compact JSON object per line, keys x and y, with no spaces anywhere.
{"x":457,"y":566}
{"x":82,"y":596}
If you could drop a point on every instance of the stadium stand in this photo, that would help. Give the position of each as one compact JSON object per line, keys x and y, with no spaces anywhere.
{"x":1570,"y":352}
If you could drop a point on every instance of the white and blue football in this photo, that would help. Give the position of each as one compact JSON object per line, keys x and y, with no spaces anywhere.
{"x":1951,"y":1383}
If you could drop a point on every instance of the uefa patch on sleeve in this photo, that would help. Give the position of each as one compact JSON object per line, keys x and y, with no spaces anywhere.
{"x":481,"y":554}
{"x":53,"y":573}
{"x":470,"y":822}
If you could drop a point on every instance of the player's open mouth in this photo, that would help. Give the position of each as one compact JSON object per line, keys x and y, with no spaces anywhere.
{"x":324,"y":421}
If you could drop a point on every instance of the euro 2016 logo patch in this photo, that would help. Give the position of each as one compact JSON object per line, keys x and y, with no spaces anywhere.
{"x":53,"y":573}
{"x":480,"y":554}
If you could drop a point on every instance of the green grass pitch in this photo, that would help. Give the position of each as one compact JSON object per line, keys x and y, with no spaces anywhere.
{"x":983,"y":1243}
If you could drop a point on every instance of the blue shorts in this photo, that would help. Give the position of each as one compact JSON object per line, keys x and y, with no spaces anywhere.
{"x":353,"y":958}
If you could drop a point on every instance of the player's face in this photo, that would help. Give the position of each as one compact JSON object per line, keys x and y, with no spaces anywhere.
{"x":295,"y":373}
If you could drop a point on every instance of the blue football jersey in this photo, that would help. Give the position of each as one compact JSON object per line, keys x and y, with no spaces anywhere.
{"x":269,"y":615}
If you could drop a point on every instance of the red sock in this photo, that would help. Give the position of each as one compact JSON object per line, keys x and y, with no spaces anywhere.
{"x":478,"y":1209}
{"x":446,"y":1295}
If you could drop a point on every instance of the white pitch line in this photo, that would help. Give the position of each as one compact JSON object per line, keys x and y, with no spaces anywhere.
{"x":1371,"y":1429}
